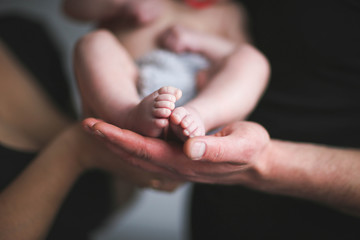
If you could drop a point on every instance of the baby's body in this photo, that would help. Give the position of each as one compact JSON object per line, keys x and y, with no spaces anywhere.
{"x":222,"y":19}
{"x":109,"y":79}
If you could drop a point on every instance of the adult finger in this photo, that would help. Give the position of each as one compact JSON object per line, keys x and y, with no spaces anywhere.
{"x":150,"y":154}
{"x":237,"y":143}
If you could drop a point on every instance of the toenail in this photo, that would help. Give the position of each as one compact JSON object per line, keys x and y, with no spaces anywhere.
{"x":197,"y":150}
{"x":186,"y":132}
{"x":176,"y":116}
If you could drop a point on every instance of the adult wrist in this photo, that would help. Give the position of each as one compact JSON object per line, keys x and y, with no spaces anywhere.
{"x":262,"y":168}
{"x":273,"y":169}
{"x":288,"y":169}
{"x":78,"y":145}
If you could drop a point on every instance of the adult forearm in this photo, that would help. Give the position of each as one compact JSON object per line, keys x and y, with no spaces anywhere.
{"x":320,"y":173}
{"x":29,"y":204}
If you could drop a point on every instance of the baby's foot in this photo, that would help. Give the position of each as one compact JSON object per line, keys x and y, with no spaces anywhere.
{"x":180,"y":39}
{"x":151,"y":115}
{"x":186,"y":122}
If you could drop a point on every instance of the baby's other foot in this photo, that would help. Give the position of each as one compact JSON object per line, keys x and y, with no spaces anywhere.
{"x":151,"y":115}
{"x":186,"y":122}
{"x":180,"y":39}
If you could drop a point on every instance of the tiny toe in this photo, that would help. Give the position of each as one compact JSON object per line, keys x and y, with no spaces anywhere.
{"x":165,"y":97}
{"x":167,"y":90}
{"x":161,"y":112}
{"x":178,"y":94}
{"x":187,"y":121}
{"x":161,"y":123}
{"x":177,"y":115}
{"x":191,"y":128}
{"x":186,"y":132}
{"x":171,"y":90}
{"x":198,"y":132}
{"x":164,"y":104}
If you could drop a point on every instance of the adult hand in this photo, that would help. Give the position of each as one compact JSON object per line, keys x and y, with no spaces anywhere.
{"x":242,"y":153}
{"x":93,"y":154}
{"x":235,"y":155}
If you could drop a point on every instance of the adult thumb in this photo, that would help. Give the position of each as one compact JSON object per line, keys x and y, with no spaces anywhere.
{"x":206,"y":148}
{"x":236,"y":143}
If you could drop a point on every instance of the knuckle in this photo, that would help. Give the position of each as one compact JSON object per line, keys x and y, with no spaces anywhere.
{"x":217,"y":155}
{"x":142,"y":153}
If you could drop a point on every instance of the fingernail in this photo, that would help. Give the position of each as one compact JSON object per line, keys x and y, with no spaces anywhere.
{"x":197,"y":150}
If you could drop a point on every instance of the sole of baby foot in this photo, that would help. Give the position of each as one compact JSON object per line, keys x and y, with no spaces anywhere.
{"x":151,"y":115}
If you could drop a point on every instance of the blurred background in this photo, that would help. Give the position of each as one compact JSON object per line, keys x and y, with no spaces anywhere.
{"x":152,"y":215}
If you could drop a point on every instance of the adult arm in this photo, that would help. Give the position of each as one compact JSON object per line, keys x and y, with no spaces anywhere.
{"x":28,"y":121}
{"x":29,"y":204}
{"x":243,"y":154}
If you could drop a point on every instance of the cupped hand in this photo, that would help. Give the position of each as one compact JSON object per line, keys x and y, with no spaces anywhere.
{"x":92,"y":154}
{"x":235,"y":155}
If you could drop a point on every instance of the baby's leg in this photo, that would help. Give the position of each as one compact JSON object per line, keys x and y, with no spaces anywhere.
{"x":181,"y":39}
{"x":230,"y":95}
{"x":106,"y":76}
{"x":107,"y":80}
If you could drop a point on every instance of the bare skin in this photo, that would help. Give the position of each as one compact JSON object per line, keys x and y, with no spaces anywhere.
{"x":181,"y":39}
{"x":151,"y":116}
{"x":137,"y":12}
{"x":148,"y":116}
{"x":107,"y":77}
{"x":186,"y":121}
{"x":30,"y":122}
{"x":243,"y":154}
